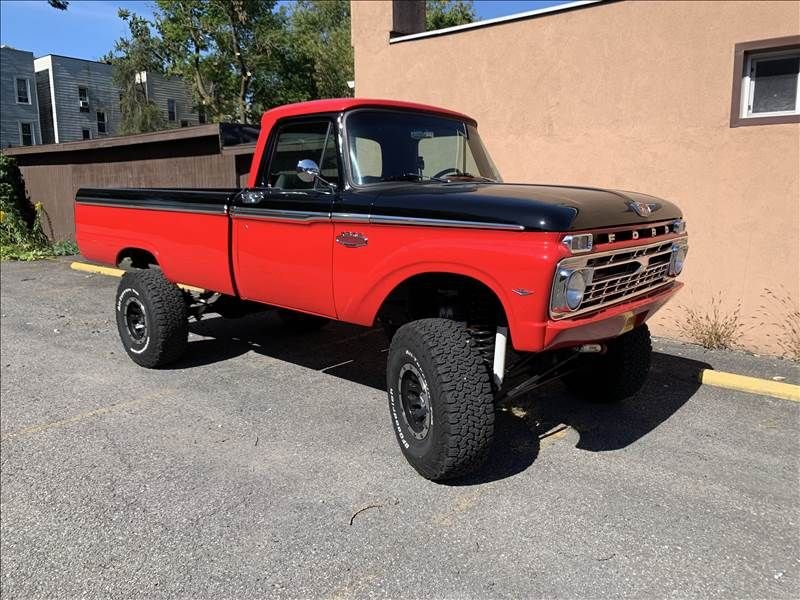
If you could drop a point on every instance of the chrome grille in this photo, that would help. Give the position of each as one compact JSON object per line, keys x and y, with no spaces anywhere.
{"x":619,"y":275}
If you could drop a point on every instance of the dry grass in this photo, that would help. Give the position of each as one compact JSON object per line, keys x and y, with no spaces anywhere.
{"x":714,"y":329}
{"x":779,"y":311}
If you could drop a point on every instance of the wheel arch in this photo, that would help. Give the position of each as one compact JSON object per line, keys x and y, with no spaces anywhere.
{"x":405,"y":284}
{"x":136,"y":258}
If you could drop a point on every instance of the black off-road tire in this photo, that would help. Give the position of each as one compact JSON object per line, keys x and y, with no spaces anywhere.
{"x":619,"y":373}
{"x":441,"y":355}
{"x":165,"y":334}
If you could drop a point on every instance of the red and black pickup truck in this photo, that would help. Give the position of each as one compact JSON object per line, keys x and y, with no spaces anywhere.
{"x":392,"y":213}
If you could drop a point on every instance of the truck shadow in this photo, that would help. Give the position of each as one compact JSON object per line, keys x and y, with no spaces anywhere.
{"x":523,"y":429}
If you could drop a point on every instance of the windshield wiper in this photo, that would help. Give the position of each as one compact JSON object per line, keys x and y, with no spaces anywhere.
{"x":471,"y":176}
{"x":412,"y":177}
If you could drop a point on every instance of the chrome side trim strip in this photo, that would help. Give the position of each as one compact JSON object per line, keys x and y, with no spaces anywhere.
{"x":283,"y":216}
{"x":340,"y":217}
{"x":213,"y":209}
{"x":421,"y":222}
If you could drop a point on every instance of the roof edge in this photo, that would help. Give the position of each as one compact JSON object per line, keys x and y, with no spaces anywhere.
{"x":496,"y":21}
{"x":167,"y":135}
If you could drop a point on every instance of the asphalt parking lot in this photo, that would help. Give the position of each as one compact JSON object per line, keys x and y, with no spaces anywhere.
{"x":264,"y":465}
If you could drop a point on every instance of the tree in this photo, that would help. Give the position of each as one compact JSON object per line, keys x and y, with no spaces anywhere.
{"x":241,"y":57}
{"x":59,"y":4}
{"x":219,"y":46}
{"x":131,"y":58}
{"x":320,"y":33}
{"x":448,"y":13}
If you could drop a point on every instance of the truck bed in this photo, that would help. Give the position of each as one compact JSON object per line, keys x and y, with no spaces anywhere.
{"x":187,"y":231}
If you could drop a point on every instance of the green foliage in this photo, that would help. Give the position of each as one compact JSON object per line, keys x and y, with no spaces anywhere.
{"x":241,"y":57}
{"x":22,"y":235}
{"x":220,"y":47}
{"x":319,"y":35}
{"x":131,"y":56}
{"x":448,"y":13}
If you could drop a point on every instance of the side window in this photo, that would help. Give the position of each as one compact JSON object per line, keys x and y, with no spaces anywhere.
{"x":297,"y":141}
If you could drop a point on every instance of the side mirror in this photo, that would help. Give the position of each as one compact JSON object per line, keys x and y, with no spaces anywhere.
{"x":307,"y":170}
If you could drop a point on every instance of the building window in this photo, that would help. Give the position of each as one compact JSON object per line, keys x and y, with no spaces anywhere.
{"x":86,"y":134}
{"x":184,"y":123}
{"x":83,"y":98}
{"x":171,"y":111}
{"x":771,"y":84}
{"x":101,"y":122}
{"x":766,"y":86}
{"x":23,"y":90}
{"x":201,"y":115}
{"x":26,"y":137}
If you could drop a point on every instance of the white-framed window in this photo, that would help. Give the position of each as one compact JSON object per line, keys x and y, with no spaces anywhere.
{"x":771,"y":84}
{"x":172,"y":111}
{"x":86,"y":134}
{"x":27,"y":136}
{"x":101,"y":122}
{"x":23,"y":90}
{"x":83,"y":98}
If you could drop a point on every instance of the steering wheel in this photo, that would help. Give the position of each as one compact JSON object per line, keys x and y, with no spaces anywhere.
{"x":445,"y":172}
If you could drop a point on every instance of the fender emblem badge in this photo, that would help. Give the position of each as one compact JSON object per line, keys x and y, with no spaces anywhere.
{"x":522,"y":292}
{"x":351,"y":239}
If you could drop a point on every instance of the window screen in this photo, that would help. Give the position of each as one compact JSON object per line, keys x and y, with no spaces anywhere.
{"x":83,"y":97}
{"x":23,"y":97}
{"x":774,"y":84}
{"x":26,"y":134}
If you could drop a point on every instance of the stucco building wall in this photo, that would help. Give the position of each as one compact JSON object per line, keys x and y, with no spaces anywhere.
{"x":626,"y":95}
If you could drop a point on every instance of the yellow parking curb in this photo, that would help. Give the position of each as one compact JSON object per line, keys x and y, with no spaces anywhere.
{"x":112,"y":272}
{"x":754,"y":385}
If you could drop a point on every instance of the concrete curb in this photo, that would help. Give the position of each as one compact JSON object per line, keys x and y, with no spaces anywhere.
{"x":112,"y":272}
{"x":753,"y":385}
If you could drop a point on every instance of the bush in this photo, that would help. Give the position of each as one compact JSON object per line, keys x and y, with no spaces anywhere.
{"x":780,"y":312}
{"x":22,"y":235}
{"x":714,"y":329}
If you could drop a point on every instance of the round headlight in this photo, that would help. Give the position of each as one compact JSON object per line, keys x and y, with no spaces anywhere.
{"x":576,"y":286}
{"x":678,"y":258}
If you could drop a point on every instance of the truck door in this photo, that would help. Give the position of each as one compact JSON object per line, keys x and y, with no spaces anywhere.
{"x":282,"y":230}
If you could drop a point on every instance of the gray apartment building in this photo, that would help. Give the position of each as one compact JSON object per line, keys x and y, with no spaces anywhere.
{"x":19,"y":107}
{"x":173,"y":98}
{"x":77,"y":98}
{"x":79,"y":101}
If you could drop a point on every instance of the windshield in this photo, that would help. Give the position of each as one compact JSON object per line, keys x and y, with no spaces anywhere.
{"x":405,"y":146}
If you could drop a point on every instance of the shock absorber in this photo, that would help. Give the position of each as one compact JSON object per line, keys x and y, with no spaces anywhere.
{"x":483,"y":339}
{"x":480,"y":323}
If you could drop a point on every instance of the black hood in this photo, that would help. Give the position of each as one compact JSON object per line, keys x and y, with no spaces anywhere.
{"x":535,"y":207}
